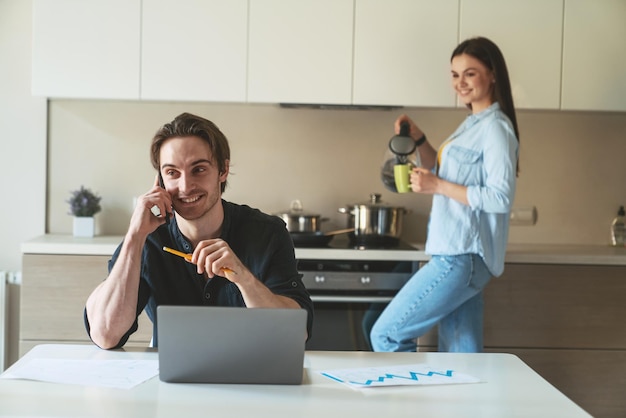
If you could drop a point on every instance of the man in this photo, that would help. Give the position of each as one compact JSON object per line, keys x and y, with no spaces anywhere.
{"x":240,"y":256}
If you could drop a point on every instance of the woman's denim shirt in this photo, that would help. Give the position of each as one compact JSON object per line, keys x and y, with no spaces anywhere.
{"x":482,"y":155}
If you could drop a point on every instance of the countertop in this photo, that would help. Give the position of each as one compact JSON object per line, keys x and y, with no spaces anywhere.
{"x":516,"y":253}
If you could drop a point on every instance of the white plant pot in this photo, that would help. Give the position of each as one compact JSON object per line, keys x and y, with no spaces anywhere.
{"x":84,"y":226}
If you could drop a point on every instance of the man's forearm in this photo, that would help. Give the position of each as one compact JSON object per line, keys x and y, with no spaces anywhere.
{"x":112,"y":306}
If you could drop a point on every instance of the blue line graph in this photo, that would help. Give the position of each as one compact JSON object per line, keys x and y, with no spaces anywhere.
{"x":330,"y":376}
{"x":414,"y":374}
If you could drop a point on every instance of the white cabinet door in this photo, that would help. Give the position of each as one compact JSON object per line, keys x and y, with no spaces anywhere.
{"x":194,"y":50}
{"x":402,"y":52}
{"x":300,"y":51}
{"x":594,"y":55}
{"x":86,"y":49}
{"x":529,"y":34}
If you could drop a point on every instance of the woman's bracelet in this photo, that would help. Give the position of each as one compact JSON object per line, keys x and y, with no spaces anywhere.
{"x":420,"y":141}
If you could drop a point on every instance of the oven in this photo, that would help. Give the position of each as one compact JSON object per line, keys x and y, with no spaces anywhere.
{"x":350,"y":286}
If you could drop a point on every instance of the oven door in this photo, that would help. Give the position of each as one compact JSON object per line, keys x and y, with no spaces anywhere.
{"x":348,"y":297}
{"x":343,"y":323}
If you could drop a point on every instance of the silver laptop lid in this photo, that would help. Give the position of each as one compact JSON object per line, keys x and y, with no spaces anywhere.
{"x":201,"y":344}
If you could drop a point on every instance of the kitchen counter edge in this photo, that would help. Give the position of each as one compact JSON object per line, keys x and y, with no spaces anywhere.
{"x":516,"y":253}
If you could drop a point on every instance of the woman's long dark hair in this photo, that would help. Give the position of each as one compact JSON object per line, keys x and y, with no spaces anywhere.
{"x":490,"y":55}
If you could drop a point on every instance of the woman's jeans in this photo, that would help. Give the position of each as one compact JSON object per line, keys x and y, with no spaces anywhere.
{"x":446,"y":291}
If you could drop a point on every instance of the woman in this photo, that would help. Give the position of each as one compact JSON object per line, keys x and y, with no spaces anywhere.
{"x":472,"y":179}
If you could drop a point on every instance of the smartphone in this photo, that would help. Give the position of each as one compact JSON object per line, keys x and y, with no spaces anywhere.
{"x":167,"y":215}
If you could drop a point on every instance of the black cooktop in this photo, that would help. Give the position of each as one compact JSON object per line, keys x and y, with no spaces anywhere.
{"x":350,"y":242}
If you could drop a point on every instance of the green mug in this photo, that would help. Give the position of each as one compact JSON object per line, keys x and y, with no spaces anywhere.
{"x":401,"y":175}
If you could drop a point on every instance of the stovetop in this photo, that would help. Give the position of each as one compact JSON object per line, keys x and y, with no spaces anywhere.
{"x":396,"y":245}
{"x":346,"y":242}
{"x":340,"y":248}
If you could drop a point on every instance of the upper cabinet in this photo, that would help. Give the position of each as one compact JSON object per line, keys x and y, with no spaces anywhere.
{"x":402,"y":52}
{"x":194,"y":50}
{"x":86,"y":49}
{"x":594,"y":55}
{"x":529,"y":34}
{"x":561,"y":54}
{"x":300,"y":51}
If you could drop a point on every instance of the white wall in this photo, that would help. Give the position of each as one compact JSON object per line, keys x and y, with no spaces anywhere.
{"x":22,"y":151}
{"x":22,"y":137}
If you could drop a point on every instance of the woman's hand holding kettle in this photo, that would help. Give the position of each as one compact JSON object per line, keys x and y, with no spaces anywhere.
{"x":414,"y":132}
{"x":427,"y":154}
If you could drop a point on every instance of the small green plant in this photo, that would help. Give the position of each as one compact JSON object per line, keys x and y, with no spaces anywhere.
{"x":84,"y":202}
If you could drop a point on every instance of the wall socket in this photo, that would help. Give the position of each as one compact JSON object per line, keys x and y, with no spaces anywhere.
{"x":523,"y":216}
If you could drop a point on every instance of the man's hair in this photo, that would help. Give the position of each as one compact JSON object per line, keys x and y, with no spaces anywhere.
{"x":187,"y":125}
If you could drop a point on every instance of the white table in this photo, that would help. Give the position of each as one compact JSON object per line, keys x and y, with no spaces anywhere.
{"x":510,"y":389}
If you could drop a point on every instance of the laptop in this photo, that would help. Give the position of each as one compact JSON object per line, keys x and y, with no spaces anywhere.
{"x":202,"y":344}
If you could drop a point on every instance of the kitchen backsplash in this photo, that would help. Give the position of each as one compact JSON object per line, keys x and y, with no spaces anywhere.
{"x":571,"y":166}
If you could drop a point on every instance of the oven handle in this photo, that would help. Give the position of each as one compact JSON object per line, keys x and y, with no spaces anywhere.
{"x":351,"y":299}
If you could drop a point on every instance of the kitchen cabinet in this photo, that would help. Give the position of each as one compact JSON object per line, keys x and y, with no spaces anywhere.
{"x":529,"y":34}
{"x":194,"y":50}
{"x":402,"y":52}
{"x":53,"y":295}
{"x":565,"y":321}
{"x":594,"y":55}
{"x":300,"y":51}
{"x":86,"y":49}
{"x":561,"y":54}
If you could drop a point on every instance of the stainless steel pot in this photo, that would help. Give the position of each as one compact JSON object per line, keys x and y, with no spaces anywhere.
{"x":297,"y":220}
{"x":374,"y":220}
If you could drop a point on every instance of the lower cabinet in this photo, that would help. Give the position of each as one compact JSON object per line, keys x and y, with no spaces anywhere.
{"x":567,"y":323}
{"x":593,"y":378}
{"x":53,"y":295}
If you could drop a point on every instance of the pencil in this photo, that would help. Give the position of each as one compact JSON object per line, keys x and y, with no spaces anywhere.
{"x":178,"y":253}
{"x":188,"y":257}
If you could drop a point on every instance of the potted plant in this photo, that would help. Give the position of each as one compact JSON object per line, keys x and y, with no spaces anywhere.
{"x":84,"y":204}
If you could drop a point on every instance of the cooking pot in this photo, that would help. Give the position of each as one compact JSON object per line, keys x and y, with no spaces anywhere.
{"x":299,"y":221}
{"x":375,"y":222}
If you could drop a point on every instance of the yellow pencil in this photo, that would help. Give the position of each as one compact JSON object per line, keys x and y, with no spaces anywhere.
{"x":178,"y":253}
{"x":188,"y":257}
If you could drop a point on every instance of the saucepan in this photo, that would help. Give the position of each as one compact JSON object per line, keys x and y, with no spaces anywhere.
{"x":305,"y":227}
{"x":300,"y":221}
{"x":374,"y":222}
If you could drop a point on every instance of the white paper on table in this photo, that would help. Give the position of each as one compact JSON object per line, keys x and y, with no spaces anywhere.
{"x":408,"y":374}
{"x":122,"y":374}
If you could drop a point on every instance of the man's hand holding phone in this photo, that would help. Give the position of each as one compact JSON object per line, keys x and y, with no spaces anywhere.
{"x":167,"y":212}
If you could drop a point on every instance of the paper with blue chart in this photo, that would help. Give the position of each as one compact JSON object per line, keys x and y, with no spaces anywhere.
{"x":401,"y":375}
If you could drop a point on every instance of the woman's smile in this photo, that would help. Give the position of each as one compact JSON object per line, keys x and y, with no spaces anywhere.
{"x":473,"y":82}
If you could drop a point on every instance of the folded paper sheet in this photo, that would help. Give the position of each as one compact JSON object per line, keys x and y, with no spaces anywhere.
{"x":122,"y":374}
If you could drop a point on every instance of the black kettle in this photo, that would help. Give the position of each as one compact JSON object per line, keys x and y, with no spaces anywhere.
{"x":401,"y":151}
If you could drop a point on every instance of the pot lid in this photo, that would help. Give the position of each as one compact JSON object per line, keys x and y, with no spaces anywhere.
{"x":296,"y":209}
{"x":375,"y":201}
